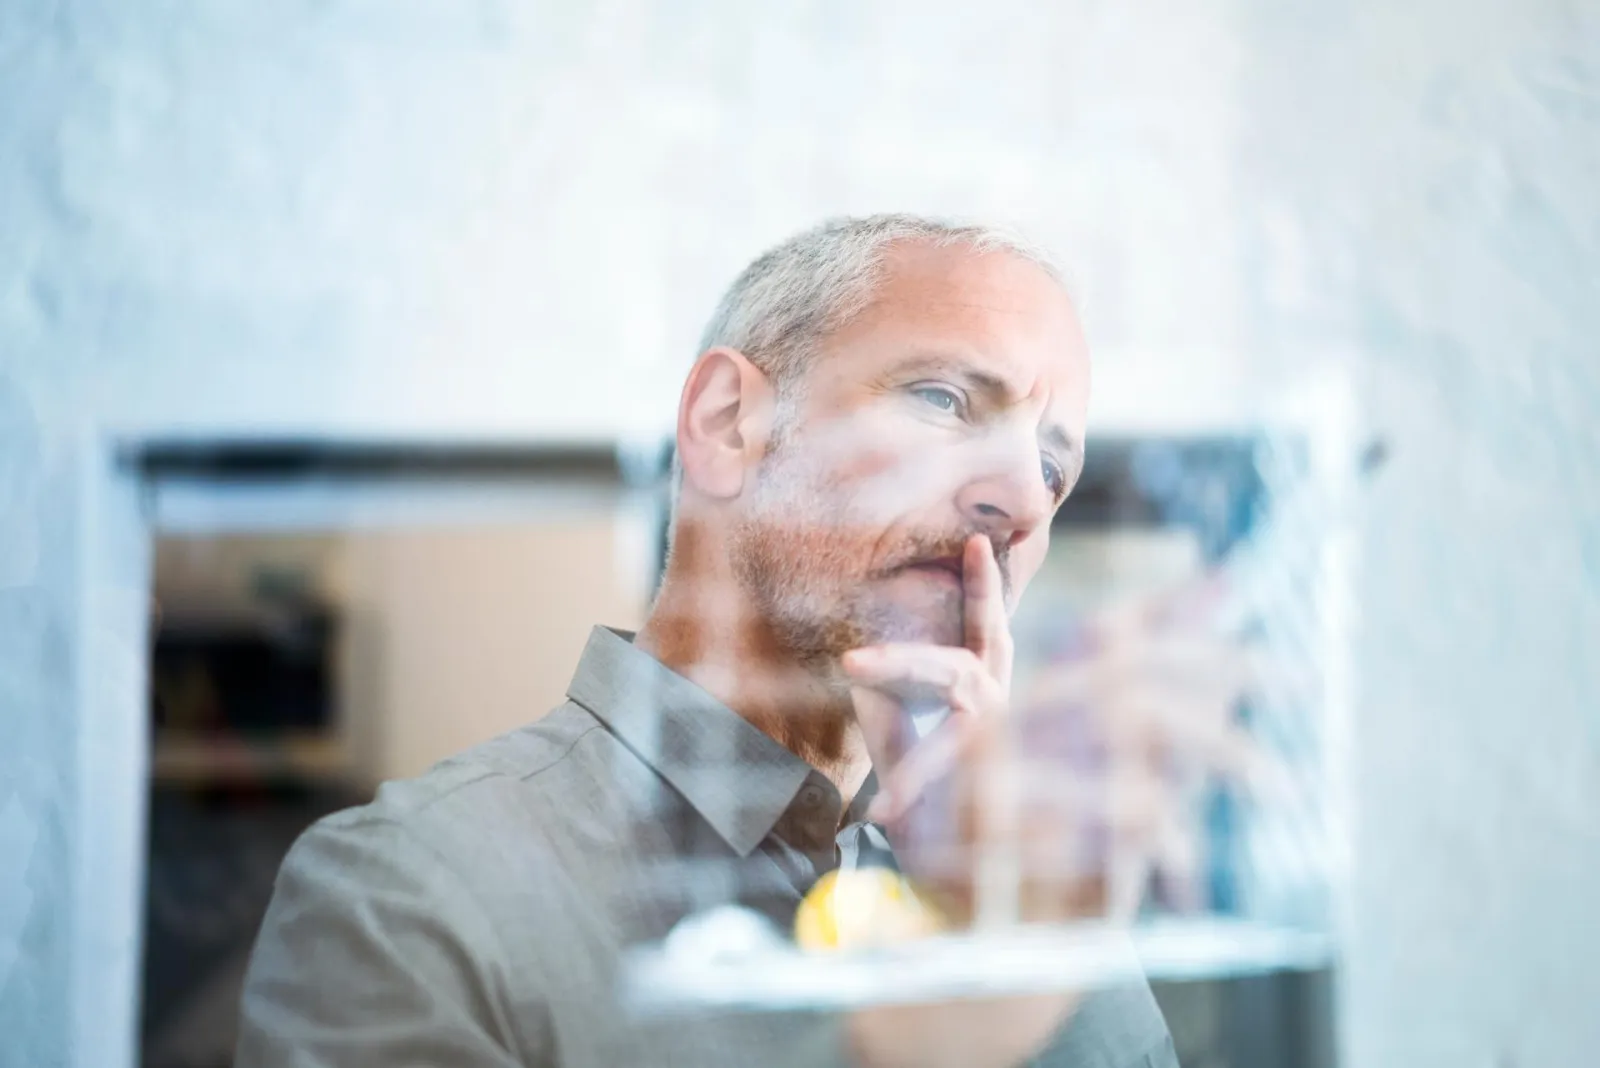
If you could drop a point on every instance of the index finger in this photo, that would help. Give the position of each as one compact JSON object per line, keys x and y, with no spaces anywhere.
{"x":986,"y":629}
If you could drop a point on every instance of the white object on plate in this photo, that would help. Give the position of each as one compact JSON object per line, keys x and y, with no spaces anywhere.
{"x":724,"y":934}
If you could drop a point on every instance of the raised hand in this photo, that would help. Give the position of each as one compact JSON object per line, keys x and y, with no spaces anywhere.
{"x":1061,"y":803}
{"x":965,"y":849}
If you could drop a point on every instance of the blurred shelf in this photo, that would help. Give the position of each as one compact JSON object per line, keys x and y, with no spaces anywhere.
{"x":217,"y":486}
{"x":199,"y":760}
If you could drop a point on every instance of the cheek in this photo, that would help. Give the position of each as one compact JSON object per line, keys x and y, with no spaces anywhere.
{"x":868,"y":466}
{"x":878,"y":484}
{"x":895,"y":481}
{"x":1026,"y":559}
{"x":876,"y":473}
{"x":873,"y":444}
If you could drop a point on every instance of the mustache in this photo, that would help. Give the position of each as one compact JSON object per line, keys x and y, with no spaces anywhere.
{"x":936,"y":545}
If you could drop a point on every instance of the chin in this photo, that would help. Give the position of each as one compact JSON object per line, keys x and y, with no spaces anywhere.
{"x":933,"y":620}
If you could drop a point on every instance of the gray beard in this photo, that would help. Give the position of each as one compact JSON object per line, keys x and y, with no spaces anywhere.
{"x":806,"y":613}
{"x":799,"y":583}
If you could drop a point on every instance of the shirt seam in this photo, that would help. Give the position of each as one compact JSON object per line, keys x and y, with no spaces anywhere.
{"x":490,"y":773}
{"x":524,"y":777}
{"x":362,"y":813}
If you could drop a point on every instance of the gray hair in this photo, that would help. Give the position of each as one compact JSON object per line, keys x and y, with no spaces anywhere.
{"x":782,"y":306}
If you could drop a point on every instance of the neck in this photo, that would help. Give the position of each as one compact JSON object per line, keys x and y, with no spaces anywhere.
{"x":703,"y":627}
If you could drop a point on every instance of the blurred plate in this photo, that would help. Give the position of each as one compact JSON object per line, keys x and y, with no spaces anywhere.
{"x":1029,"y":960}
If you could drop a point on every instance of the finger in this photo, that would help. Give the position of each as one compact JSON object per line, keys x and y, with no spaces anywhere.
{"x":1199,"y":601}
{"x":1127,"y":881}
{"x":1084,"y":853}
{"x":1179,"y":846}
{"x":951,"y":673}
{"x":1152,"y":720}
{"x":986,"y":626}
{"x":924,"y":764}
{"x":1180,"y":728}
{"x":995,"y":814}
{"x":998,"y":875}
{"x":1178,"y":722}
{"x":884,"y":726}
{"x":1134,"y":807}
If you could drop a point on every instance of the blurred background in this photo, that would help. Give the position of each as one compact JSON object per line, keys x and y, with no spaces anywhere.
{"x":339,"y":341}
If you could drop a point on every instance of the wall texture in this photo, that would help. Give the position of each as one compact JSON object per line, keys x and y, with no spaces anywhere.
{"x":473,"y":218}
{"x":1435,"y":166}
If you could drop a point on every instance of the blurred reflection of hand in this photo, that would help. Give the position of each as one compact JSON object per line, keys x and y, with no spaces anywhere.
{"x":1059,"y":803}
{"x":1055,"y":805}
{"x":1121,"y":740}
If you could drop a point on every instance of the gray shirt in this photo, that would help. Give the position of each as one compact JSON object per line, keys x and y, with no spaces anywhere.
{"x":476,"y":916}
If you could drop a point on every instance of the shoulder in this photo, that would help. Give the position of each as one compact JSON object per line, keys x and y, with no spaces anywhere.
{"x":501,"y":808}
{"x":388,"y":927}
{"x":494,"y":781}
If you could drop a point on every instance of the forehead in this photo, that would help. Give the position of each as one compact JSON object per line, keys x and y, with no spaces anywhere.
{"x":995,"y":310}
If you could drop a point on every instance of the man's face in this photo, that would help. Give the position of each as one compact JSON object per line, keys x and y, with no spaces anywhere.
{"x":954,"y":405}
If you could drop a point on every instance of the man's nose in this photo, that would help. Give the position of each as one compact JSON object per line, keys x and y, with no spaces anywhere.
{"x":1009,"y":499}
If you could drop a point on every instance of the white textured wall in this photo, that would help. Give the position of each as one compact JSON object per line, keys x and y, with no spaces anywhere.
{"x":1436,"y":168}
{"x":499,"y":218}
{"x":467,"y":217}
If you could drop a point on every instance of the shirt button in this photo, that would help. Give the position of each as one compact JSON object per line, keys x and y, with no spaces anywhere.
{"x":811,"y":796}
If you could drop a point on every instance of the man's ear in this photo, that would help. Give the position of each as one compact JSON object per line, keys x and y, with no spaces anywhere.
{"x":724,"y":421}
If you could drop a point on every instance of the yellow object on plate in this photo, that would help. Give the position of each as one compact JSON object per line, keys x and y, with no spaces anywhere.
{"x":848,"y":909}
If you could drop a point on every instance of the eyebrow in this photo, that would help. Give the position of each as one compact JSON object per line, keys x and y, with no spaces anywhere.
{"x":995,"y":389}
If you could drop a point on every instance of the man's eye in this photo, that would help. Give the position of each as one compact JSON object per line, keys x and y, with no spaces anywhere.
{"x":946,"y":400}
{"x":1054,"y":477}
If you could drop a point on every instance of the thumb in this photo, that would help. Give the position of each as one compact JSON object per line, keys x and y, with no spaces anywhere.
{"x":883,"y":726}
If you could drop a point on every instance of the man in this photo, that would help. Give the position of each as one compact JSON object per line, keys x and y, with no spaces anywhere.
{"x":885,"y":415}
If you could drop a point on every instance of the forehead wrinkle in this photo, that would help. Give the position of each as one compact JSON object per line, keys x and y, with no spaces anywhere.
{"x":960,"y":362}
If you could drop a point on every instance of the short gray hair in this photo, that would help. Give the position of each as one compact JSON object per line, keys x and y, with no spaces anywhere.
{"x":782,"y":306}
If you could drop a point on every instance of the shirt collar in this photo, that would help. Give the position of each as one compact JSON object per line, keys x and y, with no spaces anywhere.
{"x":740,"y":780}
{"x":857,"y":812}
